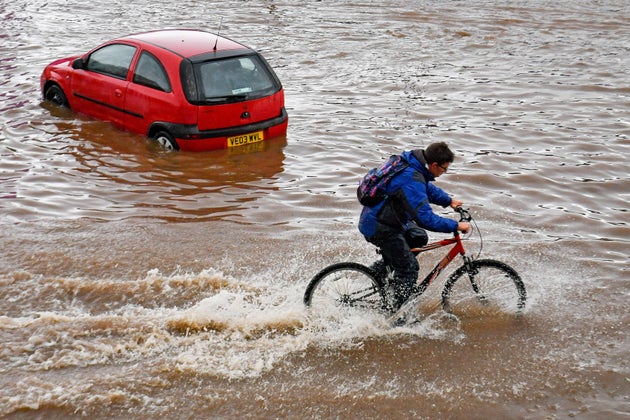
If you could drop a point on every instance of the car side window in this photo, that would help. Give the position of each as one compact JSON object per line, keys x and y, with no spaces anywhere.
{"x":150,"y":72}
{"x":113,"y":60}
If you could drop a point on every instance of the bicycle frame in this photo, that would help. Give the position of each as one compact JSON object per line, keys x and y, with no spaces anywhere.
{"x":457,"y":249}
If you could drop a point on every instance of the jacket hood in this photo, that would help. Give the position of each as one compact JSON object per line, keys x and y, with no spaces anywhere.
{"x":416,"y":160}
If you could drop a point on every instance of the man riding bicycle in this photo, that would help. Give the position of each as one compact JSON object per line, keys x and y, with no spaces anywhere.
{"x":398,"y":223}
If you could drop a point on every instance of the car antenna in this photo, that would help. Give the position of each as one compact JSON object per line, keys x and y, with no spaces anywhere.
{"x":218,"y":32}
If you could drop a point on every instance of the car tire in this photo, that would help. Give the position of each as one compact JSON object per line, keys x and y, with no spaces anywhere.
{"x":55,"y":95}
{"x":166,"y":141}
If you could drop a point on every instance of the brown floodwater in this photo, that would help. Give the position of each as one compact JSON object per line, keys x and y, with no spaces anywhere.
{"x":136,"y":283}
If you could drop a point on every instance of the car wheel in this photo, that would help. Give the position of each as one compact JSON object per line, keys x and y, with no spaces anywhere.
{"x":55,"y":95}
{"x":165,"y":140}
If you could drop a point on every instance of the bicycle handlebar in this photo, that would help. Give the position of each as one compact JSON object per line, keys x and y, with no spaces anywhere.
{"x":464,"y":214}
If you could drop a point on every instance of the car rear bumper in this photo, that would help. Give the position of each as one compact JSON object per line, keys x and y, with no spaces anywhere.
{"x":185,"y":135}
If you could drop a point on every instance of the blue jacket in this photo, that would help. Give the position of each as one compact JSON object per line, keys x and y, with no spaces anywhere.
{"x":411,"y":194}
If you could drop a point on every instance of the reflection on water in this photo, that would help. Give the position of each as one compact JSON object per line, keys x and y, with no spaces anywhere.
{"x":90,"y":169}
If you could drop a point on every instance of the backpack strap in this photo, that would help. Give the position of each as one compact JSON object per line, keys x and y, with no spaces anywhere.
{"x":419,"y":177}
{"x":399,"y":198}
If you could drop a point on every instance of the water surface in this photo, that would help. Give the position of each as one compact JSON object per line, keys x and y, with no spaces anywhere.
{"x":139,"y":283}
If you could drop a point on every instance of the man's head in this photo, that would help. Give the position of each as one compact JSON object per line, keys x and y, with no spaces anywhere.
{"x":438,"y":157}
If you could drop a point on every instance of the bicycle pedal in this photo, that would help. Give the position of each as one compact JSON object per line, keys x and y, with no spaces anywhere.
{"x":405,"y":321}
{"x":400,"y":322}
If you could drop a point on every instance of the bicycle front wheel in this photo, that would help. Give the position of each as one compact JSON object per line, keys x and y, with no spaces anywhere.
{"x":345,"y":285}
{"x":484,"y":287}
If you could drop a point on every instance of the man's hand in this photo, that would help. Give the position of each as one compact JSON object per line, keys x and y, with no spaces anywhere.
{"x":463,"y":227}
{"x":456,"y":203}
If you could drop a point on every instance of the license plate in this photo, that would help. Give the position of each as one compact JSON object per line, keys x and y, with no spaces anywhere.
{"x":245,"y":139}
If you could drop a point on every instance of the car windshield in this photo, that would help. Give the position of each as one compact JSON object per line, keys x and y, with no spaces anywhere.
{"x":233,"y":79}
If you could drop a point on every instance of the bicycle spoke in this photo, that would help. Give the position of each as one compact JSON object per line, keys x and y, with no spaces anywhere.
{"x":347,"y":285}
{"x":492,"y":288}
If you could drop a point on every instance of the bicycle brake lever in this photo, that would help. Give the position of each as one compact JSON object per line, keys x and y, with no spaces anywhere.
{"x":464,"y":214}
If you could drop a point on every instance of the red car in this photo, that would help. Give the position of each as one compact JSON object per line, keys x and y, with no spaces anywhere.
{"x":186,"y":89}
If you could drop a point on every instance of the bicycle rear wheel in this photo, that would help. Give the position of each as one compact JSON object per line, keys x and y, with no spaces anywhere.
{"x":484,"y":287}
{"x":345,"y":285}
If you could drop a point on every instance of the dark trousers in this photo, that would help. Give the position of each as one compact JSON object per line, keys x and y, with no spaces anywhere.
{"x":395,"y":246}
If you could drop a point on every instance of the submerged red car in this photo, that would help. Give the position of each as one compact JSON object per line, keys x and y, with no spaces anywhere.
{"x":186,"y":89}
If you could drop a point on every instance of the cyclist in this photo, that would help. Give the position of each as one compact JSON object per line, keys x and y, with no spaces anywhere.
{"x":398,"y":223}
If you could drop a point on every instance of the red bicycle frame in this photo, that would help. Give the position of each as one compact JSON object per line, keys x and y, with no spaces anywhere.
{"x":458,"y":249}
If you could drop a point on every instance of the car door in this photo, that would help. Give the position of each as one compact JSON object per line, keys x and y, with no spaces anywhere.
{"x":100,"y":86}
{"x":150,"y":96}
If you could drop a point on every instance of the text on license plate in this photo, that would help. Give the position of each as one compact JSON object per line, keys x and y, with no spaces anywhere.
{"x":245,"y":139}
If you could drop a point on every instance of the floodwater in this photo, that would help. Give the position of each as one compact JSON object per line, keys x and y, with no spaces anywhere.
{"x":136,"y":283}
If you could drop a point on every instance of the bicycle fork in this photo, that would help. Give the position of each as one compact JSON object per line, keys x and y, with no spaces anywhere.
{"x":472,"y":271}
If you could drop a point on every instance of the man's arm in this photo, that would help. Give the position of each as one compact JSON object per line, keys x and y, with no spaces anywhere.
{"x":438,"y":196}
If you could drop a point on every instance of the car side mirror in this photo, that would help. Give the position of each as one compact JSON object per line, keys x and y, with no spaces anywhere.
{"x":78,"y":64}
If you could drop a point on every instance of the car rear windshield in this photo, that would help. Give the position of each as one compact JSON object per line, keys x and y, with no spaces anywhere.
{"x":228,"y":80}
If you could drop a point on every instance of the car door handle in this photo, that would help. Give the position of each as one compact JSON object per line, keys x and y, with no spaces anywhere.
{"x":118,"y":93}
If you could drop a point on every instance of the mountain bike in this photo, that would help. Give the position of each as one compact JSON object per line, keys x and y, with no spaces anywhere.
{"x":481,"y":286}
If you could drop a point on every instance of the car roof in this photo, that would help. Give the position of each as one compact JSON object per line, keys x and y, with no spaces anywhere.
{"x":186,"y":42}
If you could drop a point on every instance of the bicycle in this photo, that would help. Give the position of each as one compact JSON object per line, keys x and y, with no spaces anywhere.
{"x":495,"y":286}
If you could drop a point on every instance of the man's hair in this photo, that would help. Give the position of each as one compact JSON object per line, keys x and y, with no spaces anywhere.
{"x":439,"y":153}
